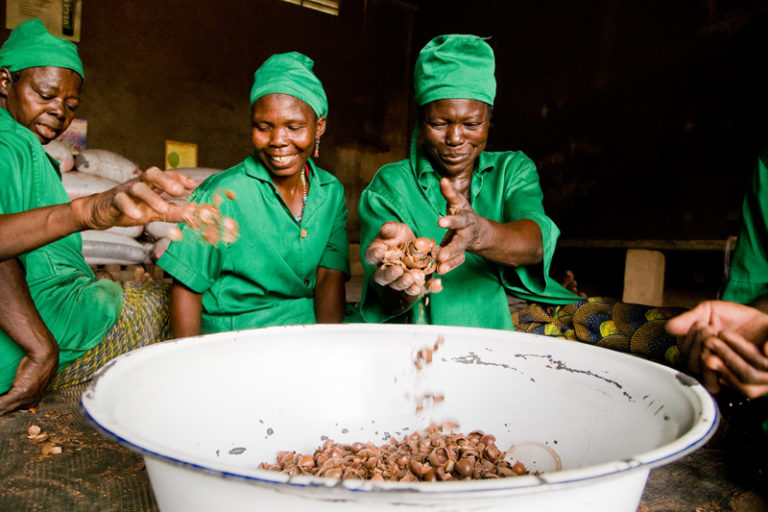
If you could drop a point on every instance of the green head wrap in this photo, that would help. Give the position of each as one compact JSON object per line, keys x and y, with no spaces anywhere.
{"x":30,"y":45}
{"x":291,"y":74}
{"x":455,"y":66}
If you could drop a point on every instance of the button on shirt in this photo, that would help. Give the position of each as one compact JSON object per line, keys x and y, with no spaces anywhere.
{"x":268,"y":276}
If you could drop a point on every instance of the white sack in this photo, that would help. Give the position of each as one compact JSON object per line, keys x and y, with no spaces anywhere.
{"x":159,"y":248}
{"x":197,"y":173}
{"x":159,"y":229}
{"x":77,"y":184}
{"x":103,"y":248}
{"x":129,"y":231}
{"x":106,"y":164}
{"x":62,"y":154}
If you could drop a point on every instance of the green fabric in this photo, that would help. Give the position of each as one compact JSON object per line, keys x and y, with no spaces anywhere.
{"x":291,"y":74}
{"x":268,"y":276}
{"x":455,"y":66}
{"x":30,"y":45}
{"x":78,"y":310}
{"x":505,"y":187}
{"x":748,"y":278}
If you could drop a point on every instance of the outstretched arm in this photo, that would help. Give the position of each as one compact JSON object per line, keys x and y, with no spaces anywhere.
{"x":132,"y":203}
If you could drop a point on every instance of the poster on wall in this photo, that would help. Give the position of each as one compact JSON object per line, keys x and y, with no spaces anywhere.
{"x":180,"y":154}
{"x":60,"y":17}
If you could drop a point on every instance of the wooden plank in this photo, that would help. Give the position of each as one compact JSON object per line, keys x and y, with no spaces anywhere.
{"x":644,"y":277}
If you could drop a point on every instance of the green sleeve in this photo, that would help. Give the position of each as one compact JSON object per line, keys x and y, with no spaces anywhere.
{"x":13,"y":198}
{"x":523,"y":200}
{"x":748,"y":278}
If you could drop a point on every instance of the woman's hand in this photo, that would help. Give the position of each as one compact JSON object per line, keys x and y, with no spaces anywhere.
{"x":34,"y":373}
{"x":136,"y":202}
{"x":392,"y":236}
{"x":465,"y":229}
{"x":725,"y":343}
{"x":514,"y":243}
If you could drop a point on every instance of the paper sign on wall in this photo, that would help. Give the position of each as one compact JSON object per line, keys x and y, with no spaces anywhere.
{"x":60,"y":17}
{"x":180,"y":154}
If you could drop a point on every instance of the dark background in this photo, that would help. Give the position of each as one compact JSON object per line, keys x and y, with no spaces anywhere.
{"x":644,"y":118}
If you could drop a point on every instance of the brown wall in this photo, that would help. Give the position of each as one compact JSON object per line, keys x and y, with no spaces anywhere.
{"x":643,"y":117}
{"x":182,"y":70}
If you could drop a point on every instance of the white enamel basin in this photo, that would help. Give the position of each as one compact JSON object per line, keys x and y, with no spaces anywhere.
{"x":205,"y":411}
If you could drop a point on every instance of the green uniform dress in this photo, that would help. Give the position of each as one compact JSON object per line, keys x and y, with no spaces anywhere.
{"x":78,"y":310}
{"x":268,"y":276}
{"x":505,"y":187}
{"x":748,"y":279}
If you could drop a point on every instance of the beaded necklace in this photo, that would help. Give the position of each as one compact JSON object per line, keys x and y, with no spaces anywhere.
{"x":305,"y":190}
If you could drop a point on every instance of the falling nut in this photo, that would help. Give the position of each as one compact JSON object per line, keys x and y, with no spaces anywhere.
{"x":33,"y":430}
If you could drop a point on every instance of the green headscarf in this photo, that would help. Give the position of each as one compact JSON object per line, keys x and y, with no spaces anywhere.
{"x":291,"y":74}
{"x":455,"y":66}
{"x":30,"y":45}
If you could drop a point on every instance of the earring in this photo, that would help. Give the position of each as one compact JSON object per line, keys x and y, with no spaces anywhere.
{"x":317,"y":148}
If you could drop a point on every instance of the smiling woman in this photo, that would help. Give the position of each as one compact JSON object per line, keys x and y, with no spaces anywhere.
{"x":455,"y":132}
{"x":485,"y":208}
{"x":292,"y":258}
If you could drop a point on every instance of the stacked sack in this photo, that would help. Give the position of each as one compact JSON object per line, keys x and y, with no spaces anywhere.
{"x":96,"y":170}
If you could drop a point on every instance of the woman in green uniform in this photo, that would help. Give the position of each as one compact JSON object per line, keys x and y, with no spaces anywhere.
{"x":292,"y":258}
{"x":748,"y":278}
{"x":485,"y":207}
{"x":54,"y":315}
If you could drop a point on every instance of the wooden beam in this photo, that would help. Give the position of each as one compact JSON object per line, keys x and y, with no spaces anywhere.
{"x":655,"y":245}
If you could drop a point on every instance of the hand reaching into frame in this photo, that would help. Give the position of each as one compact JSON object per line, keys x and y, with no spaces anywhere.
{"x":725,"y":343}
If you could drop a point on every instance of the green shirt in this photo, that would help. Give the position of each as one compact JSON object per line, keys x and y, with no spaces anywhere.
{"x":268,"y":276}
{"x":505,"y":187}
{"x":748,"y":278}
{"x":77,"y":309}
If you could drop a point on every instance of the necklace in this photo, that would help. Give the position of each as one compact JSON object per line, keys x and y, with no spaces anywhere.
{"x":304,"y":190}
